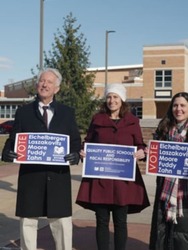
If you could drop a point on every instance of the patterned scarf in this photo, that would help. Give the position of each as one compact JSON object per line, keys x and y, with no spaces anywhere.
{"x":173,"y":189}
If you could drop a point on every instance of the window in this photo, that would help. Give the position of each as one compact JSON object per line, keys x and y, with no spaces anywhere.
{"x":8,"y":111}
{"x":136,"y":109}
{"x":163,"y":78}
{"x":2,"y":111}
{"x":14,"y":107}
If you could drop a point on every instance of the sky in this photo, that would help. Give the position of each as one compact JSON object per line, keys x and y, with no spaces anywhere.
{"x":137,"y":23}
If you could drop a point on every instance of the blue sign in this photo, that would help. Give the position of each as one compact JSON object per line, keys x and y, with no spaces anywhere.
{"x":41,"y":148}
{"x":167,"y":159}
{"x":109,"y":161}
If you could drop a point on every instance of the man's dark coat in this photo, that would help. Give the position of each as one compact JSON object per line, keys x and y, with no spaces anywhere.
{"x":44,"y":190}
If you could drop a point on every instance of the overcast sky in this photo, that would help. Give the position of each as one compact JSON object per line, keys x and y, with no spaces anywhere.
{"x":136,"y":23}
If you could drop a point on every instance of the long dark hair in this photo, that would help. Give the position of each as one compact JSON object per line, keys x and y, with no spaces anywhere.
{"x":168,"y":121}
{"x":125,"y":107}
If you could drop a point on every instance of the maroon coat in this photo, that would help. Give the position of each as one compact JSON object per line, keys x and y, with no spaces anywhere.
{"x":107,"y":191}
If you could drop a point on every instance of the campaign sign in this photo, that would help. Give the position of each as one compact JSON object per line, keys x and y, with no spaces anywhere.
{"x":109,"y":161}
{"x":167,"y":159}
{"x":41,"y":148}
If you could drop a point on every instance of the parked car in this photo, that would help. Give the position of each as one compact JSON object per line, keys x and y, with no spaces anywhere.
{"x":6,"y":127}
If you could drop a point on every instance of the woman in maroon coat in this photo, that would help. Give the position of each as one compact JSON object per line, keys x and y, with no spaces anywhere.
{"x":114,"y":124}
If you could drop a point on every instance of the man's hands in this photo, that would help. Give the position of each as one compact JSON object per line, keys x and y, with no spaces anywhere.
{"x":9,"y":156}
{"x":73,"y":158}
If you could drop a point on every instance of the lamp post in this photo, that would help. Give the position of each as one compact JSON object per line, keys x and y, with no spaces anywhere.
{"x":41,"y":34}
{"x":106,"y":57}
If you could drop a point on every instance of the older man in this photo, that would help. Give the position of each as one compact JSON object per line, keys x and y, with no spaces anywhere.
{"x":45,"y":190}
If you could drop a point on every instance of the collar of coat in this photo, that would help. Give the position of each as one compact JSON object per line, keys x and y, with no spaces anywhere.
{"x":102,"y":119}
{"x":52,"y":104}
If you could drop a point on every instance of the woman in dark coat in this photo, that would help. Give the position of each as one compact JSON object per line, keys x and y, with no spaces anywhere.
{"x":114,"y":124}
{"x":169,"y":230}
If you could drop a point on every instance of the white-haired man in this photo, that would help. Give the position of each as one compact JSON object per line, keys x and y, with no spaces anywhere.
{"x":45,"y":190}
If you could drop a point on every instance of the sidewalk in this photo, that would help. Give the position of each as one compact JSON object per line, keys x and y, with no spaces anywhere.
{"x":83,"y":220}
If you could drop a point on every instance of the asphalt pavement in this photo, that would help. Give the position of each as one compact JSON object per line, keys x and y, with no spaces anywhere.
{"x":83,"y":220}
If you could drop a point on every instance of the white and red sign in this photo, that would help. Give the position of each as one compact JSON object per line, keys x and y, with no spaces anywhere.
{"x":42,"y":148}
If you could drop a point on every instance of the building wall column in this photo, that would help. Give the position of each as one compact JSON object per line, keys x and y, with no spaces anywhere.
{"x":149,"y":109}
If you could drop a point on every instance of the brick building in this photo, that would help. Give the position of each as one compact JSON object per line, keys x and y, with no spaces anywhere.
{"x":165,"y":72}
{"x":150,"y":86}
